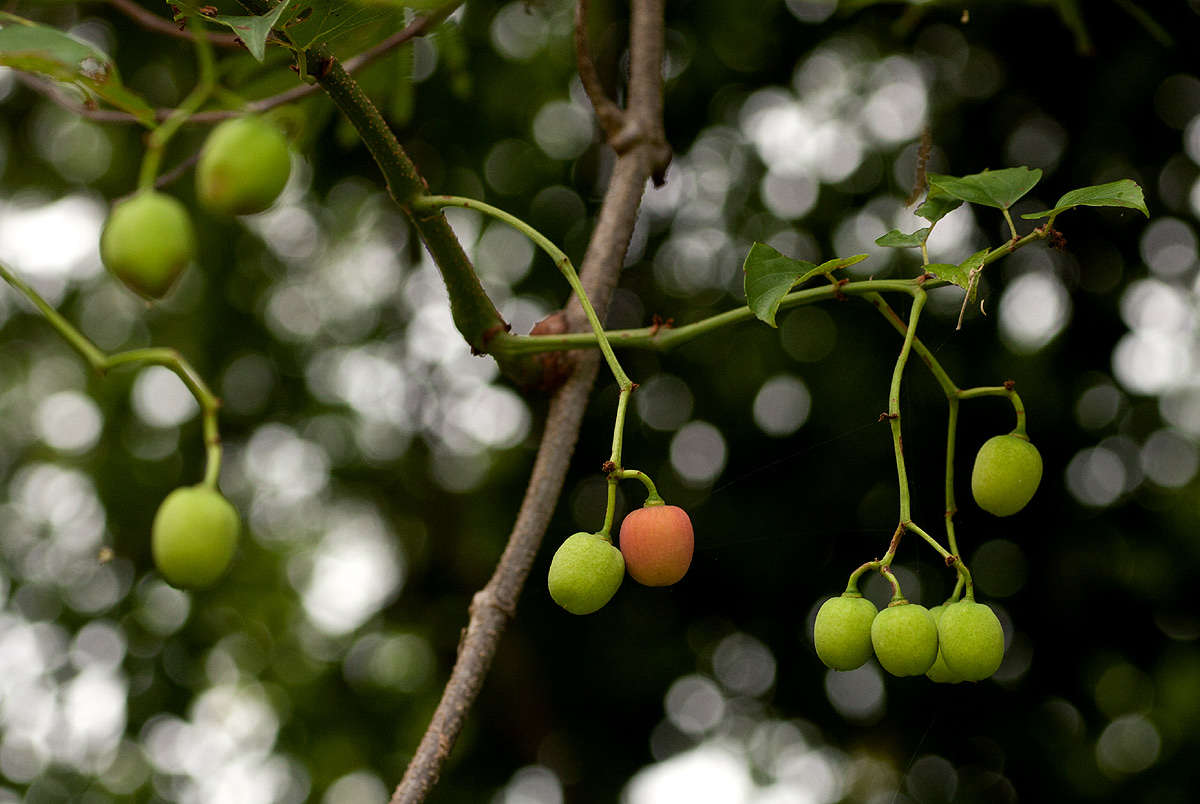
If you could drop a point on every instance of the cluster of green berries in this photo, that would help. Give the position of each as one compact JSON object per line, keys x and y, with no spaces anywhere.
{"x":656,"y":545}
{"x":960,"y":641}
{"x":148,"y":238}
{"x":956,"y":641}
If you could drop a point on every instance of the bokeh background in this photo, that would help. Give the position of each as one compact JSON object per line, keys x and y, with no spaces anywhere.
{"x":378,"y":465}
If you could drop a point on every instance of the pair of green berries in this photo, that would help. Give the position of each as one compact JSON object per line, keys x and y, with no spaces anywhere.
{"x":961,"y":641}
{"x":194,"y":536}
{"x":148,"y":239}
{"x":656,"y":541}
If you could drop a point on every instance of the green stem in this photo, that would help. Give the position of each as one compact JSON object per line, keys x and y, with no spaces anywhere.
{"x":101,"y":363}
{"x":663,"y":339}
{"x":619,"y":425}
{"x":652,"y":496}
{"x":893,"y":414}
{"x":1000,"y":390}
{"x":88,"y":350}
{"x":939,"y":373}
{"x":609,"y":509}
{"x":433,"y":202}
{"x":1011,"y":227}
{"x":157,"y":141}
{"x":950,"y":558}
{"x":951,"y":505}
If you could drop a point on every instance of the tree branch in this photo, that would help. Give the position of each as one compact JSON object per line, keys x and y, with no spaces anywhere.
{"x":612,"y":120}
{"x":417,"y":28}
{"x":153,"y":22}
{"x":495,"y":604}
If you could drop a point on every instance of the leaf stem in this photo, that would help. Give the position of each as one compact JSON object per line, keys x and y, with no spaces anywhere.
{"x":1011,"y":227}
{"x":101,"y":363}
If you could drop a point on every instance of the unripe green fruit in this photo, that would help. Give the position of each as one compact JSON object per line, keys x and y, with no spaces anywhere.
{"x":940,"y":673}
{"x":972,"y":640}
{"x":194,"y":535}
{"x":842,"y":631}
{"x":657,"y":542}
{"x":1006,"y":474}
{"x":585,"y":573}
{"x":147,"y":242}
{"x":243,"y":168}
{"x":905,"y":639}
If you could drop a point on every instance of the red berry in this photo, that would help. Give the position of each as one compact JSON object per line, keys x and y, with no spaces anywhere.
{"x":657,"y":542}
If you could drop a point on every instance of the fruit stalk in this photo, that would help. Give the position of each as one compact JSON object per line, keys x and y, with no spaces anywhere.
{"x":157,"y":141}
{"x":101,"y":363}
{"x":893,"y":414}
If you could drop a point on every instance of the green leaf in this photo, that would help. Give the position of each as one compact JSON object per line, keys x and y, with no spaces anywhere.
{"x":330,"y":19}
{"x":829,"y":266}
{"x":991,"y":188}
{"x":33,"y":48}
{"x":254,"y":30}
{"x":897,"y":239}
{"x":1122,"y":193}
{"x":966,"y":275}
{"x":938,"y":204}
{"x":770,"y":276}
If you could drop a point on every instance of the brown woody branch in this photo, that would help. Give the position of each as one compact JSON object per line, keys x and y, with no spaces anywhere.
{"x":153,"y":22}
{"x":612,"y":120}
{"x":494,"y":605}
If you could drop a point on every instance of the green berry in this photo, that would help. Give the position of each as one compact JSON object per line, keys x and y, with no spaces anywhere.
{"x":194,"y":535}
{"x":243,"y":167}
{"x":905,"y":639}
{"x":842,"y":631}
{"x":972,"y":641}
{"x":585,"y":573}
{"x":1007,"y":471}
{"x":940,"y":673}
{"x":147,"y":242}
{"x":657,"y":543}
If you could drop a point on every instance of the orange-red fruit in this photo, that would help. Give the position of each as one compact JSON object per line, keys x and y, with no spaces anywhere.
{"x":657,"y":542}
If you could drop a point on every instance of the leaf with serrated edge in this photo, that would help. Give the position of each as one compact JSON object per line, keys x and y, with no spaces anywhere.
{"x":991,"y":188}
{"x":897,"y":239}
{"x":1122,"y":193}
{"x":34,"y":48}
{"x":937,"y":205}
{"x":254,"y":30}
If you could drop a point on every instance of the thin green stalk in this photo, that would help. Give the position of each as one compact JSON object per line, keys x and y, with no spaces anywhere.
{"x":88,"y":350}
{"x":609,"y":509}
{"x":101,"y":363}
{"x":893,"y":414}
{"x":157,"y":141}
{"x":432,"y":202}
{"x":939,"y":373}
{"x":619,"y":425}
{"x":1000,"y":390}
{"x":951,"y":559}
{"x":1011,"y":227}
{"x":951,"y":505}
{"x":652,"y":495}
{"x":663,"y":339}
